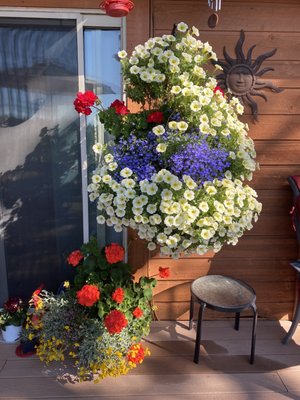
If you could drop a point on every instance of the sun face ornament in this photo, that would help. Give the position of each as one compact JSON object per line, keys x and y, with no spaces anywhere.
{"x":240,"y":76}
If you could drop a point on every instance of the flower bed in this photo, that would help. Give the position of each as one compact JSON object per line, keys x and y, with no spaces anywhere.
{"x":99,"y":321}
{"x":175,"y":171}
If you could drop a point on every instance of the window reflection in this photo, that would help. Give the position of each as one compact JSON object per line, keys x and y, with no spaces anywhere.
{"x":103,"y":77}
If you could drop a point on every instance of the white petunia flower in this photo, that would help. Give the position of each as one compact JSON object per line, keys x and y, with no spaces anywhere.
{"x":182,"y":126}
{"x":134,"y":70}
{"x":126,"y":172}
{"x":97,"y":148}
{"x":158,"y":130}
{"x":152,"y":189}
{"x":204,"y":206}
{"x":189,"y":195}
{"x":211,"y":190}
{"x":112,"y":166}
{"x":176,"y":185}
{"x":195,"y":31}
{"x":176,"y":89}
{"x":172,"y":125}
{"x":100,"y":219}
{"x":161,"y":148}
{"x":166,"y":194}
{"x":195,"y":106}
{"x":106,"y":178}
{"x":151,"y":246}
{"x":96,"y":178}
{"x":182,"y":27}
{"x":122,"y":54}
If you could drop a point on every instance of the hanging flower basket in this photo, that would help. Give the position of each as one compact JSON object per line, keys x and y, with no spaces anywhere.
{"x":117,"y":8}
{"x":176,"y":170}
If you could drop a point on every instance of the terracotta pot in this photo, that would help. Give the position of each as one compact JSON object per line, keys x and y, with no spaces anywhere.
{"x":12,"y":333}
{"x":117,"y":8}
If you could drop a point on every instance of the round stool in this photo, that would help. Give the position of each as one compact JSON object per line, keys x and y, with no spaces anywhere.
{"x":224,"y":294}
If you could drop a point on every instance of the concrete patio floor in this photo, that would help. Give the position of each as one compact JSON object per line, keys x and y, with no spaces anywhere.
{"x":224,"y":371}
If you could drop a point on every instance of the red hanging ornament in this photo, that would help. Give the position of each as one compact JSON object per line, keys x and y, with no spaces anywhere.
{"x":117,"y":8}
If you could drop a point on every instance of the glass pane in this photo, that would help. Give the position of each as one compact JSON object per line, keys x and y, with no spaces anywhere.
{"x":103,"y":77}
{"x":40,"y":171}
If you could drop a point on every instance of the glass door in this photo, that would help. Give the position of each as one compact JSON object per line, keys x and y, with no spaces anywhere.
{"x":43,"y":142}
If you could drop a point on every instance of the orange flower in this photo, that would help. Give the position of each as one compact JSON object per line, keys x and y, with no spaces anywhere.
{"x":114,"y":253}
{"x":118,"y":295}
{"x":88,"y":295}
{"x":137,"y":312}
{"x":115,"y":321}
{"x":75,"y":257}
{"x":136,"y":353}
{"x":164,"y":272}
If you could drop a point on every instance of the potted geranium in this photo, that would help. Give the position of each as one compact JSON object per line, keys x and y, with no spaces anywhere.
{"x":176,"y":170}
{"x":12,"y":317}
{"x":99,"y":320}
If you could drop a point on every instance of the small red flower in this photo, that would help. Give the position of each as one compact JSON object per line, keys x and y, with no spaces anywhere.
{"x":88,"y":295}
{"x":75,"y":257}
{"x":164,"y":272}
{"x":118,"y":295}
{"x":218,"y":89}
{"x":13,"y":305}
{"x":120,"y":107}
{"x":84,"y":101}
{"x":136,"y":353}
{"x":114,"y":253}
{"x":115,"y":322}
{"x":137,"y":312}
{"x":156,"y":116}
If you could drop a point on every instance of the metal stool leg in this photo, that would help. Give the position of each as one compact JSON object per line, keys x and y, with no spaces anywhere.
{"x":294,"y":325}
{"x":191,"y":312}
{"x":198,"y":337}
{"x":237,"y":321}
{"x":253,"y":333}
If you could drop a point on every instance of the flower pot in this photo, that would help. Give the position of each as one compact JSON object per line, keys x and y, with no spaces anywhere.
{"x":11,"y":333}
{"x":117,"y":8}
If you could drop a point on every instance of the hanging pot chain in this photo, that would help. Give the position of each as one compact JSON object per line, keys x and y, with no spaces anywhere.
{"x":215,"y":4}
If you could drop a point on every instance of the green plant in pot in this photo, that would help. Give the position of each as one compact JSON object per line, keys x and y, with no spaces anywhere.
{"x":12,"y":317}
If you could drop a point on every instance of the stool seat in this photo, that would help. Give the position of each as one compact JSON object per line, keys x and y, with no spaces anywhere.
{"x":224,"y":294}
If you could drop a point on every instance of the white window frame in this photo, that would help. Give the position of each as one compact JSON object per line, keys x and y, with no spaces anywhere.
{"x":90,"y":18}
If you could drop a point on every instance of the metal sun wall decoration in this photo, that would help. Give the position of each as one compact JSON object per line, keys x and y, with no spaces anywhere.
{"x":241,"y":75}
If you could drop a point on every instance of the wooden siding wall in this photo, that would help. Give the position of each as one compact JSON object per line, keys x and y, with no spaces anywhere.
{"x":262,"y":256}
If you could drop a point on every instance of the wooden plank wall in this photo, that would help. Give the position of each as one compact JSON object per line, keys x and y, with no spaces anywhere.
{"x":262,"y":256}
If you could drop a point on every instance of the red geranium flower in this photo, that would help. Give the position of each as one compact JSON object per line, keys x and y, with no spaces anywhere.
{"x":115,"y":321}
{"x":137,"y":312}
{"x":88,"y":295}
{"x":118,"y":295}
{"x":114,"y":253}
{"x":136,"y":353}
{"x":156,"y":116}
{"x":218,"y":89}
{"x":164,"y":272}
{"x":84,"y":101}
{"x":75,"y":257}
{"x":120,"y":107}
